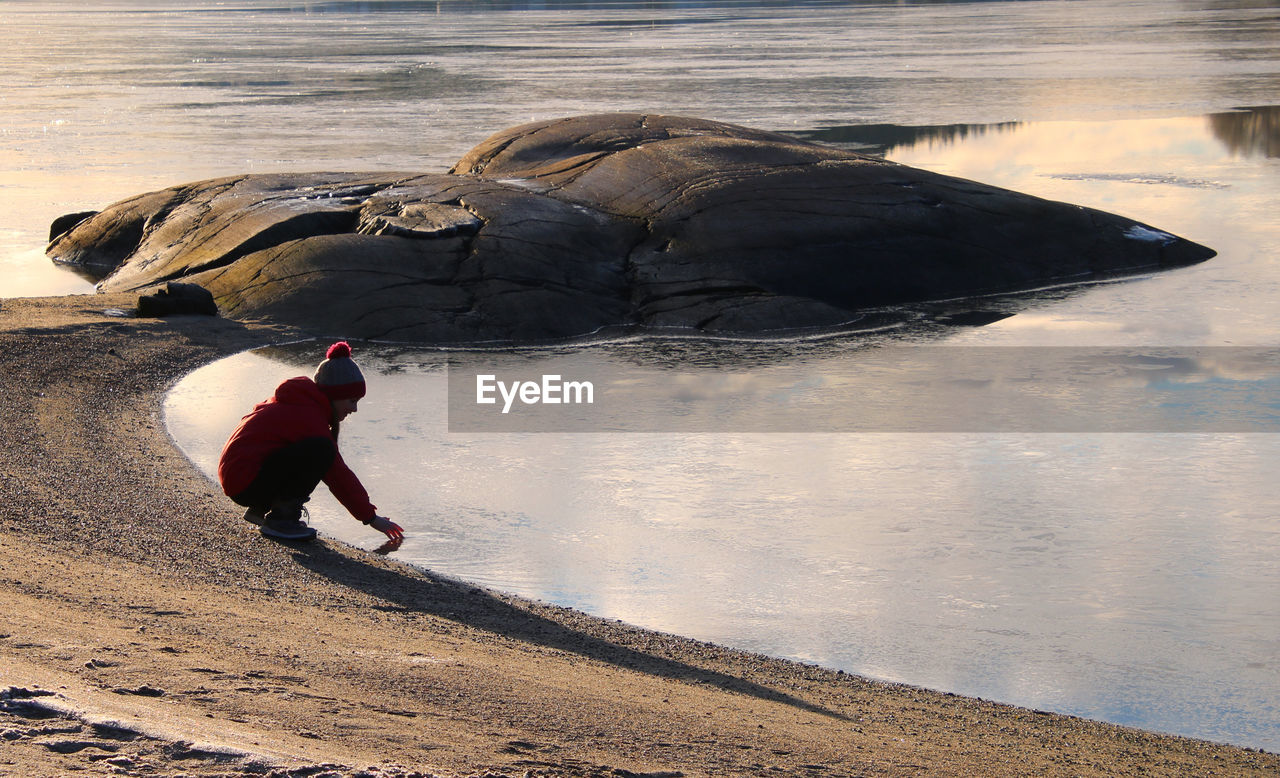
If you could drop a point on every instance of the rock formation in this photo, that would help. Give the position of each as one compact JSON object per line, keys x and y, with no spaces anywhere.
{"x":561,"y":228}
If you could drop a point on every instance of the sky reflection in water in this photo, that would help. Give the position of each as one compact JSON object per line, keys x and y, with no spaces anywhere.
{"x":1129,"y":577}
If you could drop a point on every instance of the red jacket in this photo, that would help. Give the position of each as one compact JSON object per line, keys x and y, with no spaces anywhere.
{"x":298,"y":410}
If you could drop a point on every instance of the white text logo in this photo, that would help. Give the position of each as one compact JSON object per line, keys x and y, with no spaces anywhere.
{"x":551,"y":390}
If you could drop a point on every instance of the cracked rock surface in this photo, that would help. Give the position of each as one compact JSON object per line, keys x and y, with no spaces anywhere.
{"x":561,"y":228}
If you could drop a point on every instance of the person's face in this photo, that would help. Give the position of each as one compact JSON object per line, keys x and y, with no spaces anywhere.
{"x":343,"y":408}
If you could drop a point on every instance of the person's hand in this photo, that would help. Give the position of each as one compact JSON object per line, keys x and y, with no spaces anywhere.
{"x":387,"y":527}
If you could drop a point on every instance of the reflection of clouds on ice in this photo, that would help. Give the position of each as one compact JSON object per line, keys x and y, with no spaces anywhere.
{"x":1083,"y":162}
{"x":1024,"y":567}
{"x":1154,"y":179}
{"x":1182,"y":174}
{"x":717,"y":386}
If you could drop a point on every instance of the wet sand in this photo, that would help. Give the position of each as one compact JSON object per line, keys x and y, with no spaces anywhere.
{"x":145,"y":629}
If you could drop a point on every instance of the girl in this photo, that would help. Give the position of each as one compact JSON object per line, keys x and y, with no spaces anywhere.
{"x":288,"y":444}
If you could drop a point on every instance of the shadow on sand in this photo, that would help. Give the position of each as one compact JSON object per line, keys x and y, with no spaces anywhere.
{"x":415,"y":590}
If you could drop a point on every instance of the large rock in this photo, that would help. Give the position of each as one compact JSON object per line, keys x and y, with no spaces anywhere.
{"x":560,"y":228}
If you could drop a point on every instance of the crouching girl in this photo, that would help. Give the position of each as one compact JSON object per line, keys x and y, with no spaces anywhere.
{"x":288,"y":444}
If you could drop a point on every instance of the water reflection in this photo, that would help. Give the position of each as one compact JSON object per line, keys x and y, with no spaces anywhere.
{"x":1249,"y":132}
{"x":1128,"y":577}
{"x":880,"y":139}
{"x":1244,"y":132}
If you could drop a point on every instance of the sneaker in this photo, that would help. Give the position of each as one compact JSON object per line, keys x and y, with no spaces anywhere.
{"x":287,"y":529}
{"x":255,"y":516}
{"x":286,"y":523}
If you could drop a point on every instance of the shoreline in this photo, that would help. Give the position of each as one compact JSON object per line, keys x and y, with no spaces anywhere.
{"x":146,"y":629}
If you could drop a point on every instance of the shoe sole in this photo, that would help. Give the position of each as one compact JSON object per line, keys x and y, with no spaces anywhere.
{"x":277,"y":535}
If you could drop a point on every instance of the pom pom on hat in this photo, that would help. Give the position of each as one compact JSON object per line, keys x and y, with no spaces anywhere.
{"x":338,"y":376}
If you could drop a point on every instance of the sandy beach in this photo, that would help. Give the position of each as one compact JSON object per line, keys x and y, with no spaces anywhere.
{"x":147,"y":630}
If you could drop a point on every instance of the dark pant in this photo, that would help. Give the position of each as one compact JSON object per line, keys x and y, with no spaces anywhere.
{"x":290,"y":474}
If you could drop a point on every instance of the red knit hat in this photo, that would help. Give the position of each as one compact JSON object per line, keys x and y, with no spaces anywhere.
{"x":338,"y":376}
